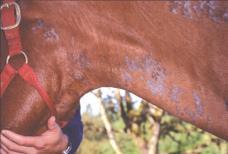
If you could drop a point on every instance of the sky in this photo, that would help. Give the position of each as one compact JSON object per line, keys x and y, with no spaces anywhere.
{"x":91,"y":100}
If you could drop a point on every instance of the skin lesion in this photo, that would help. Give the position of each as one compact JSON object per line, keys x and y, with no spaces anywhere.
{"x":126,"y":77}
{"x":217,"y":11}
{"x":47,"y":32}
{"x":192,"y":113}
{"x":150,"y":66}
{"x":175,"y":94}
{"x":198,"y":104}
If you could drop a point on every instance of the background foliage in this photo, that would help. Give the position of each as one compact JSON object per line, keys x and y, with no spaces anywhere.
{"x":133,"y":128}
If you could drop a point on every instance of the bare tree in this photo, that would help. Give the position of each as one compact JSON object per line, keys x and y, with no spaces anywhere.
{"x":150,"y":113}
{"x":156,"y":125}
{"x":107,"y":123}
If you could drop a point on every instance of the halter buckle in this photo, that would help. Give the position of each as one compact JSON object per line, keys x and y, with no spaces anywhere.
{"x":18,"y":15}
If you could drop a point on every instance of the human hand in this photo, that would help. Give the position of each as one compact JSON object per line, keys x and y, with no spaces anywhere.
{"x":51,"y":141}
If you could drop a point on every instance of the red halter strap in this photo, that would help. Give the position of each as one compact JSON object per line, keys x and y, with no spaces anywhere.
{"x":11,"y":16}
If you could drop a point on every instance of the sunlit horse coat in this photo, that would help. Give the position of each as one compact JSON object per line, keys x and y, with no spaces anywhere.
{"x":173,"y":54}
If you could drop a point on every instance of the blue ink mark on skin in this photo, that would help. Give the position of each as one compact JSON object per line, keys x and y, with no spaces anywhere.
{"x":84,"y":61}
{"x":225,"y":16}
{"x":148,"y":65}
{"x":39,"y":25}
{"x":51,"y":34}
{"x":127,"y":77}
{"x":132,"y":66}
{"x":198,"y":103}
{"x":214,"y":10}
{"x":187,"y":9}
{"x":157,"y":83}
{"x":174,"y":7}
{"x":156,"y":88}
{"x":175,"y":93}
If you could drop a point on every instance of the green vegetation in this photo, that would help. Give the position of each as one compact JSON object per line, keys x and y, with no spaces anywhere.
{"x":187,"y":139}
{"x":134,"y":127}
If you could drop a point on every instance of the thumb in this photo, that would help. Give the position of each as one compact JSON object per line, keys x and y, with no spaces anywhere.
{"x":52,"y":123}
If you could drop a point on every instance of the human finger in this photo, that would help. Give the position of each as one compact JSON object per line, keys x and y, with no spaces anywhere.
{"x":28,"y":141}
{"x":5,"y":150}
{"x":29,"y":150}
{"x":52,"y":123}
{"x":9,"y":145}
{"x":2,"y":151}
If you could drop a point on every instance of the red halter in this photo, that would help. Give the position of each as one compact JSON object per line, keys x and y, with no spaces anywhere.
{"x":11,"y":16}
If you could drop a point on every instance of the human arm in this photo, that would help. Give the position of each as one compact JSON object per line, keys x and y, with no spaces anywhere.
{"x":74,"y":131}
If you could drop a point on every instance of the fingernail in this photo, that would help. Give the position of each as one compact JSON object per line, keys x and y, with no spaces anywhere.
{"x":54,"y":118}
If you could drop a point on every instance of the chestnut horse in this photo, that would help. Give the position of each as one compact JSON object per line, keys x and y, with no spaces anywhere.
{"x":172,"y":54}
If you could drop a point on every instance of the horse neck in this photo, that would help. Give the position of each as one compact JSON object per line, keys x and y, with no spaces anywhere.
{"x":145,"y":72}
{"x":81,"y":54}
{"x":129,"y":61}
